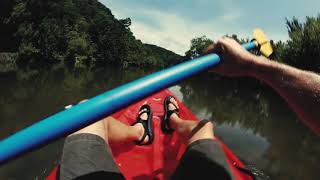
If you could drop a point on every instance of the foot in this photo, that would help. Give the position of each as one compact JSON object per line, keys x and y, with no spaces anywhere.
{"x":139,"y":127}
{"x":144,"y":126}
{"x":173,"y":106}
{"x":171,"y":111}
{"x":189,"y":131}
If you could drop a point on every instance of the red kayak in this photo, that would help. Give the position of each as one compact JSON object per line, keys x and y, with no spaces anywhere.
{"x":158,"y":160}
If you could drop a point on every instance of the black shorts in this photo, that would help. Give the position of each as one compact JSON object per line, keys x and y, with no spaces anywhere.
{"x":87,"y":156}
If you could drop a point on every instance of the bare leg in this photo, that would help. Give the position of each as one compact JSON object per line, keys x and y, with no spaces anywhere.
{"x":119,"y":132}
{"x":98,"y":128}
{"x":86,"y":155}
{"x":189,"y":130}
{"x":203,"y":159}
{"x":114,"y":131}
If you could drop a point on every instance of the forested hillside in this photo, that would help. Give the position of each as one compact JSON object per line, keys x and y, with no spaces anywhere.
{"x":73,"y":33}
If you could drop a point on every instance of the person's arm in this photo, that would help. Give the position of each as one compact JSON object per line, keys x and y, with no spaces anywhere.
{"x":301,"y":89}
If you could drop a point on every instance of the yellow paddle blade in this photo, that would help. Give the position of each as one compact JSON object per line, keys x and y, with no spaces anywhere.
{"x":266,"y":49}
{"x":259,"y":36}
{"x":262,"y":40}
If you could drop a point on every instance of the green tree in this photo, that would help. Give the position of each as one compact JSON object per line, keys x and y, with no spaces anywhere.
{"x":28,"y":54}
{"x":197,"y":46}
{"x":79,"y":50}
{"x":303,"y":48}
{"x":73,"y":32}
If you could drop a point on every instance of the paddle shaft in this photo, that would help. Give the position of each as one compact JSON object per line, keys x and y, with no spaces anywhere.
{"x":96,"y":108}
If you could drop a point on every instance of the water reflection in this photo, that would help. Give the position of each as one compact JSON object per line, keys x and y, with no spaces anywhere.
{"x":257,"y":125}
{"x":27,"y":97}
{"x":254,"y":122}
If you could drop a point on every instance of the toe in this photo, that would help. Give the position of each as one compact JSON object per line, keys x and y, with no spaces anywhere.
{"x":173,"y":105}
{"x":146,"y":139}
{"x":173,"y":100}
{"x":141,"y":133}
{"x":143,"y":116}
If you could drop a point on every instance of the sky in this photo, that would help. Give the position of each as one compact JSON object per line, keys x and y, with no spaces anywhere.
{"x":171,"y":24}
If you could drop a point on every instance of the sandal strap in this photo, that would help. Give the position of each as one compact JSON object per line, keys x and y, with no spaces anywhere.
{"x":170,"y":112}
{"x":142,"y":112}
{"x":176,"y":107}
{"x":144,"y":134}
{"x":145,"y":125}
{"x":167,"y":125}
{"x":146,"y":109}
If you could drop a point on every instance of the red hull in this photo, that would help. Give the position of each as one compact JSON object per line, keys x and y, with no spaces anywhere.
{"x":158,"y":160}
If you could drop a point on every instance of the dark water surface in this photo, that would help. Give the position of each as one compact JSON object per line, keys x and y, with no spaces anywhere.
{"x":253,"y":121}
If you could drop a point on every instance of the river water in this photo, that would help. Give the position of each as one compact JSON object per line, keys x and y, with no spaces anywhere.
{"x":252,"y":120}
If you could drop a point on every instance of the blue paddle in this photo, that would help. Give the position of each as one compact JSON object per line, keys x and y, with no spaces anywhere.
{"x":96,"y":108}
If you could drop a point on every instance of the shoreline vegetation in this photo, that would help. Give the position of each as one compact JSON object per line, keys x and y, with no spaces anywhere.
{"x":77,"y":34}
{"x":70,"y":34}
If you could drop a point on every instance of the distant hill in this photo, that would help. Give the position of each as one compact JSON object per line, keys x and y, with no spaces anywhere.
{"x":74,"y":33}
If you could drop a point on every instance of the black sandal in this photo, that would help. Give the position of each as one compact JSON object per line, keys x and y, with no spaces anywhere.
{"x":165,"y":123}
{"x":147,"y":125}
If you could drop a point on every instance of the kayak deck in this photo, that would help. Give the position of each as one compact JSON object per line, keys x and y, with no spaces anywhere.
{"x":158,"y":160}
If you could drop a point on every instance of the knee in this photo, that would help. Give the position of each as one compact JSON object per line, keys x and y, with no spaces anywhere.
{"x":208,"y":124}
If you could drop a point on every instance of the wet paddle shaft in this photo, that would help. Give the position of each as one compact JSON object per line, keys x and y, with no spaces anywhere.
{"x":96,"y":108}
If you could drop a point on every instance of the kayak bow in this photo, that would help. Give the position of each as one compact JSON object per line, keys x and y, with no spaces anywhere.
{"x":159,"y":159}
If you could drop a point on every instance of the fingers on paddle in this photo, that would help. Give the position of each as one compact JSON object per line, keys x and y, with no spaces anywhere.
{"x":216,"y":48}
